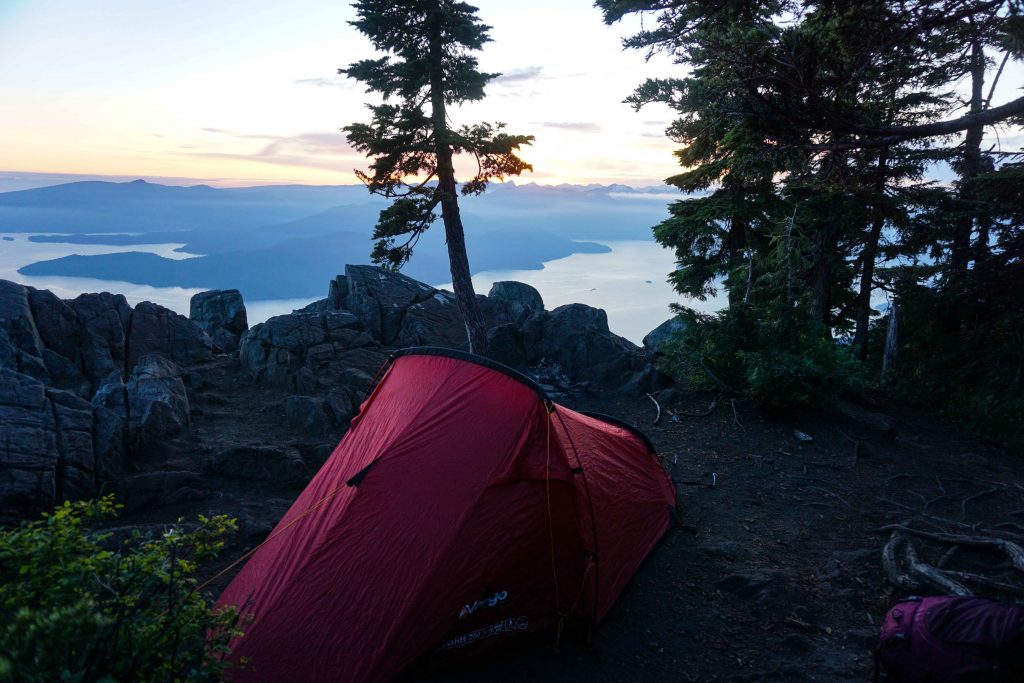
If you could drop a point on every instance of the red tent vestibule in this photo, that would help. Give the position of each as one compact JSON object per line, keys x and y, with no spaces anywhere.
{"x":461,"y":509}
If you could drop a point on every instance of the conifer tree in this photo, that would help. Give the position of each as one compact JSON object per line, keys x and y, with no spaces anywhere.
{"x":428,"y":68}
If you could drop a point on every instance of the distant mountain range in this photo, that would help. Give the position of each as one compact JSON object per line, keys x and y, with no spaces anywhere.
{"x":285,"y":241}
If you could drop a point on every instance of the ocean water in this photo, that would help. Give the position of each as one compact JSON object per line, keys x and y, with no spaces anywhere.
{"x":629,"y":282}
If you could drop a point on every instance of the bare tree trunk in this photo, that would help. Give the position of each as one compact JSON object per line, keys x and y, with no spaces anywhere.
{"x":462,"y":281}
{"x":960,"y":252}
{"x":867,"y":274}
{"x":821,"y":274}
{"x":892,"y":340}
{"x":735,"y":241}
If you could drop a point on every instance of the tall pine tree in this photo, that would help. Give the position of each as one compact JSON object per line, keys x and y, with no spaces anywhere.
{"x":428,"y":68}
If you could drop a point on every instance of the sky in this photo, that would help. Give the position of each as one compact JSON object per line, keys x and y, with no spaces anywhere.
{"x":244,"y":92}
{"x":236,"y":92}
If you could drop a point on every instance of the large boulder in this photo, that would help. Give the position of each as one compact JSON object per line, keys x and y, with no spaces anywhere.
{"x":576,"y":338}
{"x":663,"y":333}
{"x":155,"y":329}
{"x":436,"y":321}
{"x":221,"y":314}
{"x":398,"y":310}
{"x":517,"y":299}
{"x":103,"y":321}
{"x":158,"y":407}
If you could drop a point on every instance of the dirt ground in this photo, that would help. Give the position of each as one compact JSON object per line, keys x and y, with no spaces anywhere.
{"x":773,"y":573}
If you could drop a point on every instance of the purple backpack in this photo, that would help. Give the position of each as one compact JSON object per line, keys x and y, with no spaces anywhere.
{"x":952,"y":640}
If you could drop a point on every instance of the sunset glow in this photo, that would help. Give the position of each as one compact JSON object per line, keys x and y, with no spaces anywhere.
{"x":240,"y":93}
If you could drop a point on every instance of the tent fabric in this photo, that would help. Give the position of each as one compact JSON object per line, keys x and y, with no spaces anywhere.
{"x":461,"y":509}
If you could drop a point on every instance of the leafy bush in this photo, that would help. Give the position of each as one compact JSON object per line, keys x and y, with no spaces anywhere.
{"x":771,"y":358}
{"x":77,"y":606}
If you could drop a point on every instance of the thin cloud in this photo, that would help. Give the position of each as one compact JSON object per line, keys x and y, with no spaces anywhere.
{"x":324,"y":82}
{"x":576,"y":126}
{"x":528,"y":73}
{"x":307,"y":150}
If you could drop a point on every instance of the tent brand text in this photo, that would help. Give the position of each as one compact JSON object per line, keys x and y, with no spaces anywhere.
{"x":497,"y":628}
{"x":483,"y":604}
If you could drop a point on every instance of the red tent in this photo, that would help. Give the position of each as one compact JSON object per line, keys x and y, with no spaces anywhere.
{"x":462,"y":508}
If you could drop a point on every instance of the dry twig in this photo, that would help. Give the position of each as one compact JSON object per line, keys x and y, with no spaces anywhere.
{"x":657,"y":405}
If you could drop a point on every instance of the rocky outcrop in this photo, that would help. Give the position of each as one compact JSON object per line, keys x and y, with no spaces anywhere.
{"x":155,"y":329}
{"x":56,"y":445}
{"x":517,"y":300}
{"x":74,"y":345}
{"x":102,"y":323}
{"x":576,"y":338}
{"x":100,"y":396}
{"x":158,"y":407}
{"x":663,"y":333}
{"x":397,"y":310}
{"x":221,"y":314}
{"x":291,"y":350}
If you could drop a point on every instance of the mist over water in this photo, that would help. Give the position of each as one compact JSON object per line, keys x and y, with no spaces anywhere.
{"x":629,"y":282}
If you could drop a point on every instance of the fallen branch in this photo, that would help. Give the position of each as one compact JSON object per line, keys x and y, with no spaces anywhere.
{"x":931,"y":575}
{"x":897,"y":576}
{"x":987,"y":582}
{"x":1014,"y":551}
{"x":657,"y":418}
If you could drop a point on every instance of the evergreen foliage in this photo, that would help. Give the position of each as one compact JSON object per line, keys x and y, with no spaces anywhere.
{"x":78,"y":606}
{"x":428,"y":68}
{"x":808,"y":131}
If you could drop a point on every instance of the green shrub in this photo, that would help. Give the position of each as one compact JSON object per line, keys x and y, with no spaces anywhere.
{"x":77,"y":606}
{"x":769,"y":357}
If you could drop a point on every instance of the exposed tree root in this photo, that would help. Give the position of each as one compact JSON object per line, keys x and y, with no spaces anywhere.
{"x":657,"y":405}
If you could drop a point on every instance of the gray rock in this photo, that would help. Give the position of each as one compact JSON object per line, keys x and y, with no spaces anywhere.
{"x":663,"y":333}
{"x":102,"y":319}
{"x":111,"y":395}
{"x":73,"y":417}
{"x":28,"y":449}
{"x":307,"y":414}
{"x":435,"y":321}
{"x":109,"y":448}
{"x":283,"y":466}
{"x":274,"y":352}
{"x":342,"y":406}
{"x":158,"y":406}
{"x":21,"y":347}
{"x":65,"y":374}
{"x":505,"y":345}
{"x":381,"y":298}
{"x":221,"y":314}
{"x":337,"y":292}
{"x":54,"y":446}
{"x":576,"y":338}
{"x":155,"y":329}
{"x":56,"y":322}
{"x":517,"y":299}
